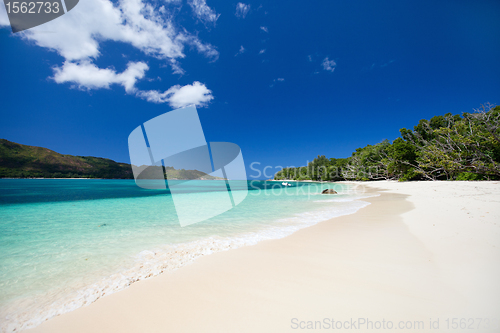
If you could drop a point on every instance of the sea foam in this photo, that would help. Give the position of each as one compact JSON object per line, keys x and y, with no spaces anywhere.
{"x":24,"y":313}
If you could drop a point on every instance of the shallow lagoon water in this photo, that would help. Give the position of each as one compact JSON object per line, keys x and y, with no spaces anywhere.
{"x":65,"y":243}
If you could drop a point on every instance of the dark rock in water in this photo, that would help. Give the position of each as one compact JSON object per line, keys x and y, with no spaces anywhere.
{"x":329,"y":191}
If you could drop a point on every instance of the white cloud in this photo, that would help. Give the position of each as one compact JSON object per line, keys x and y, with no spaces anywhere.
{"x":280,"y":79}
{"x":377,"y":66}
{"x":328,"y":65}
{"x":240,"y":51}
{"x":242,"y":10}
{"x":196,"y":94}
{"x":203,"y":12}
{"x":206,"y":49}
{"x":262,"y":51}
{"x":87,"y":75}
{"x":309,"y":57}
{"x":78,"y":37}
{"x":387,"y":63}
{"x":264,"y":29}
{"x":78,"y":34}
{"x":176,"y":68}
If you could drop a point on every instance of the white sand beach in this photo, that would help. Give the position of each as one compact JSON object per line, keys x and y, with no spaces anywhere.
{"x":423,"y":253}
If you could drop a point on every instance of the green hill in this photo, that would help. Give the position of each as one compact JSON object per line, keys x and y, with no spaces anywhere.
{"x":21,"y":161}
{"x":447,"y":147}
{"x":172,"y":173}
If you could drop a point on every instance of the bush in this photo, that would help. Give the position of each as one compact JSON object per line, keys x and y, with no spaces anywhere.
{"x":469,"y":176}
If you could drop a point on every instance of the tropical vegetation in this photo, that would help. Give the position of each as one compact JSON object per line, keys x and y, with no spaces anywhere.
{"x":448,"y":147}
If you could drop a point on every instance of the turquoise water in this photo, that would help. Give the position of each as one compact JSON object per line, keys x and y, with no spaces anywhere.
{"x":65,"y":243}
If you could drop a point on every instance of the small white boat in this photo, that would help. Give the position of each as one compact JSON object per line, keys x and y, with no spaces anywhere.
{"x":286,"y":184}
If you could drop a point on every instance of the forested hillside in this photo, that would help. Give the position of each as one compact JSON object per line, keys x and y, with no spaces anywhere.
{"x":449,"y":147}
{"x":21,"y":161}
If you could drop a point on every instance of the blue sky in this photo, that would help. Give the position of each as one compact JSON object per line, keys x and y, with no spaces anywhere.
{"x":285,"y":80}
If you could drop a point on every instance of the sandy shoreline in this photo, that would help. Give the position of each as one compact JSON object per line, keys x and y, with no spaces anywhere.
{"x":422,"y":251}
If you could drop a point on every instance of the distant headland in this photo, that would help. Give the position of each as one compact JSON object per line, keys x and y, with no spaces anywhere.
{"x":22,"y":161}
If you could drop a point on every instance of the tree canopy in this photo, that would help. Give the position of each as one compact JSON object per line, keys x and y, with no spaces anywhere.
{"x":449,"y":147}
